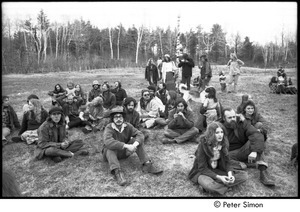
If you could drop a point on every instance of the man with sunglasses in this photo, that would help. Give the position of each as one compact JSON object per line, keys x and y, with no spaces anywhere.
{"x":53,"y":141}
{"x":121,"y":140}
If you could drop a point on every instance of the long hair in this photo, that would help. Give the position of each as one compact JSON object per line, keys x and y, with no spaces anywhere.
{"x":60,"y":90}
{"x":119,"y":84}
{"x":149,"y":62}
{"x":181,"y":100}
{"x":36,"y":113}
{"x":95,"y":107}
{"x":142,"y":102}
{"x":173,"y":97}
{"x":209,"y":139}
{"x":250,"y":102}
{"x":128,"y":100}
{"x":233,"y":56}
{"x":211,"y":93}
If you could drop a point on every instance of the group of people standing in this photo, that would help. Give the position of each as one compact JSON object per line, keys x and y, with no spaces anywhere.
{"x":229,"y":141}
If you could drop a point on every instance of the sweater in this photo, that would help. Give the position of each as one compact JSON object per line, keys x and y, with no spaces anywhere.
{"x":120,"y":94}
{"x":109,"y":100}
{"x":180,"y":122}
{"x":115,"y":140}
{"x":31,"y":124}
{"x":133,"y":118}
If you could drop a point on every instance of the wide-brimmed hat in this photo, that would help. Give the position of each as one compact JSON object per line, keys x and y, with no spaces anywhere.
{"x":95,"y":82}
{"x":118,"y":109}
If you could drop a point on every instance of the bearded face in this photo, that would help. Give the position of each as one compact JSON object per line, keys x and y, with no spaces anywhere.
{"x":230,"y":119}
{"x":130,"y":107}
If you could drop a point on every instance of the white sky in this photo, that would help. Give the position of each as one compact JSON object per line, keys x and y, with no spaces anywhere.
{"x":261,"y":21}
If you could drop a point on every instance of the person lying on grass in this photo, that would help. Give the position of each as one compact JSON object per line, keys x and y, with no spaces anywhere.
{"x":10,"y":120}
{"x":52,"y":139}
{"x":211,"y":168}
{"x":246,"y":144}
{"x":31,"y":121}
{"x":121,"y":140}
{"x":180,"y":124}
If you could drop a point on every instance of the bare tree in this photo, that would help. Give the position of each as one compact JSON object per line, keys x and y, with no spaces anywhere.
{"x":138,"y":42}
{"x":110,"y":34}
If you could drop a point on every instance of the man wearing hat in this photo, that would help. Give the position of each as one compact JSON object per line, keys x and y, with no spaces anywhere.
{"x":187,"y":65}
{"x":96,"y":91}
{"x":205,"y":72}
{"x":121,"y":140}
{"x":52,"y":139}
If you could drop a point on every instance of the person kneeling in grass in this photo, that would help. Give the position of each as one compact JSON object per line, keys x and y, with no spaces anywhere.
{"x":52,"y":139}
{"x":180,"y":124}
{"x":121,"y":140}
{"x":211,"y":169}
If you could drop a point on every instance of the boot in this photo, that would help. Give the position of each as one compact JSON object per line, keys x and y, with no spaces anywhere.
{"x":120,"y":177}
{"x":266,"y":179}
{"x":150,"y":168}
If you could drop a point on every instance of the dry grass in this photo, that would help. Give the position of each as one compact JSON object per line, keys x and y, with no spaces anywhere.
{"x":89,"y":176}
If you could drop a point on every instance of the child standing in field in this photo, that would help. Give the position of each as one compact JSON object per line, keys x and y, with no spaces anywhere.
{"x":222,"y":79}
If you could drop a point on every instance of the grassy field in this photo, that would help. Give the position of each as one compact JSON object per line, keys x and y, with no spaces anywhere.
{"x":89,"y":176}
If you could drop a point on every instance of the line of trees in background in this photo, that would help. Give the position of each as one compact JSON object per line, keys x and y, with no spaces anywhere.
{"x":50,"y":47}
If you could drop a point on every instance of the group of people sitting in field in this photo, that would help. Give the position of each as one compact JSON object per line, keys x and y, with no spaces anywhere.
{"x":229,"y":141}
{"x":281,"y":84}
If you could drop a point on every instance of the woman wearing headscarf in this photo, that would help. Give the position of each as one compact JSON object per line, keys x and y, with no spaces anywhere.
{"x":168,"y":69}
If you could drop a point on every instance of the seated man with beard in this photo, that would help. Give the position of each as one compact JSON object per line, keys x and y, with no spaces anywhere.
{"x":121,"y":140}
{"x":148,"y":108}
{"x":246,"y":144}
{"x":180,"y":124}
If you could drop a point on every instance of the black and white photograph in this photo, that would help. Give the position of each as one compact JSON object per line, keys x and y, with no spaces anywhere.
{"x":192,"y":100}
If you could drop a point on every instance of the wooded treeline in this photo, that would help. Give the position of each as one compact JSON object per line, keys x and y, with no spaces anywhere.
{"x":78,"y":45}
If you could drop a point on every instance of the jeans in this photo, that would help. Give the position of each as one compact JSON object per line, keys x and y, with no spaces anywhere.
{"x":113,"y":156}
{"x":181,"y":135}
{"x":77,"y":122}
{"x":217,"y":186}
{"x":57,"y":152}
{"x":242,"y":153}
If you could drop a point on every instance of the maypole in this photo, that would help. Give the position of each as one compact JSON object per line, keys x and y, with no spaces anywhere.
{"x":178,"y":44}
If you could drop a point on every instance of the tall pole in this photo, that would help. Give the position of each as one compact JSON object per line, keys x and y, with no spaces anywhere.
{"x":178,"y":44}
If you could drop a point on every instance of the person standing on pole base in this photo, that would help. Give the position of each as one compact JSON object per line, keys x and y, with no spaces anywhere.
{"x":187,"y":65}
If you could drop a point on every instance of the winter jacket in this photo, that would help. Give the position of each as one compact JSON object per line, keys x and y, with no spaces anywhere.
{"x":29,"y":123}
{"x":133,"y":118}
{"x":151,"y":70}
{"x":120,"y":94}
{"x":109,"y":100}
{"x":187,"y":67}
{"x":94,"y":93}
{"x":179,"y":122}
{"x":202,"y":165}
{"x":245,"y":132}
{"x":13,"y":118}
{"x":50,"y":135}
{"x":115,"y":140}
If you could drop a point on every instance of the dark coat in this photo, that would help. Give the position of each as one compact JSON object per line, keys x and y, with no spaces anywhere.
{"x":187,"y":67}
{"x":201,"y":164}
{"x":94,"y":93}
{"x":133,"y":118}
{"x":13,"y":118}
{"x":109,"y":100}
{"x":246,"y":132}
{"x":120,"y":94}
{"x":31,"y":124}
{"x":151,"y":70}
{"x":50,"y":135}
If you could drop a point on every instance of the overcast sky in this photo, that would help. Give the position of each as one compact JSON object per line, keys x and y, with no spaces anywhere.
{"x":261,"y":21}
